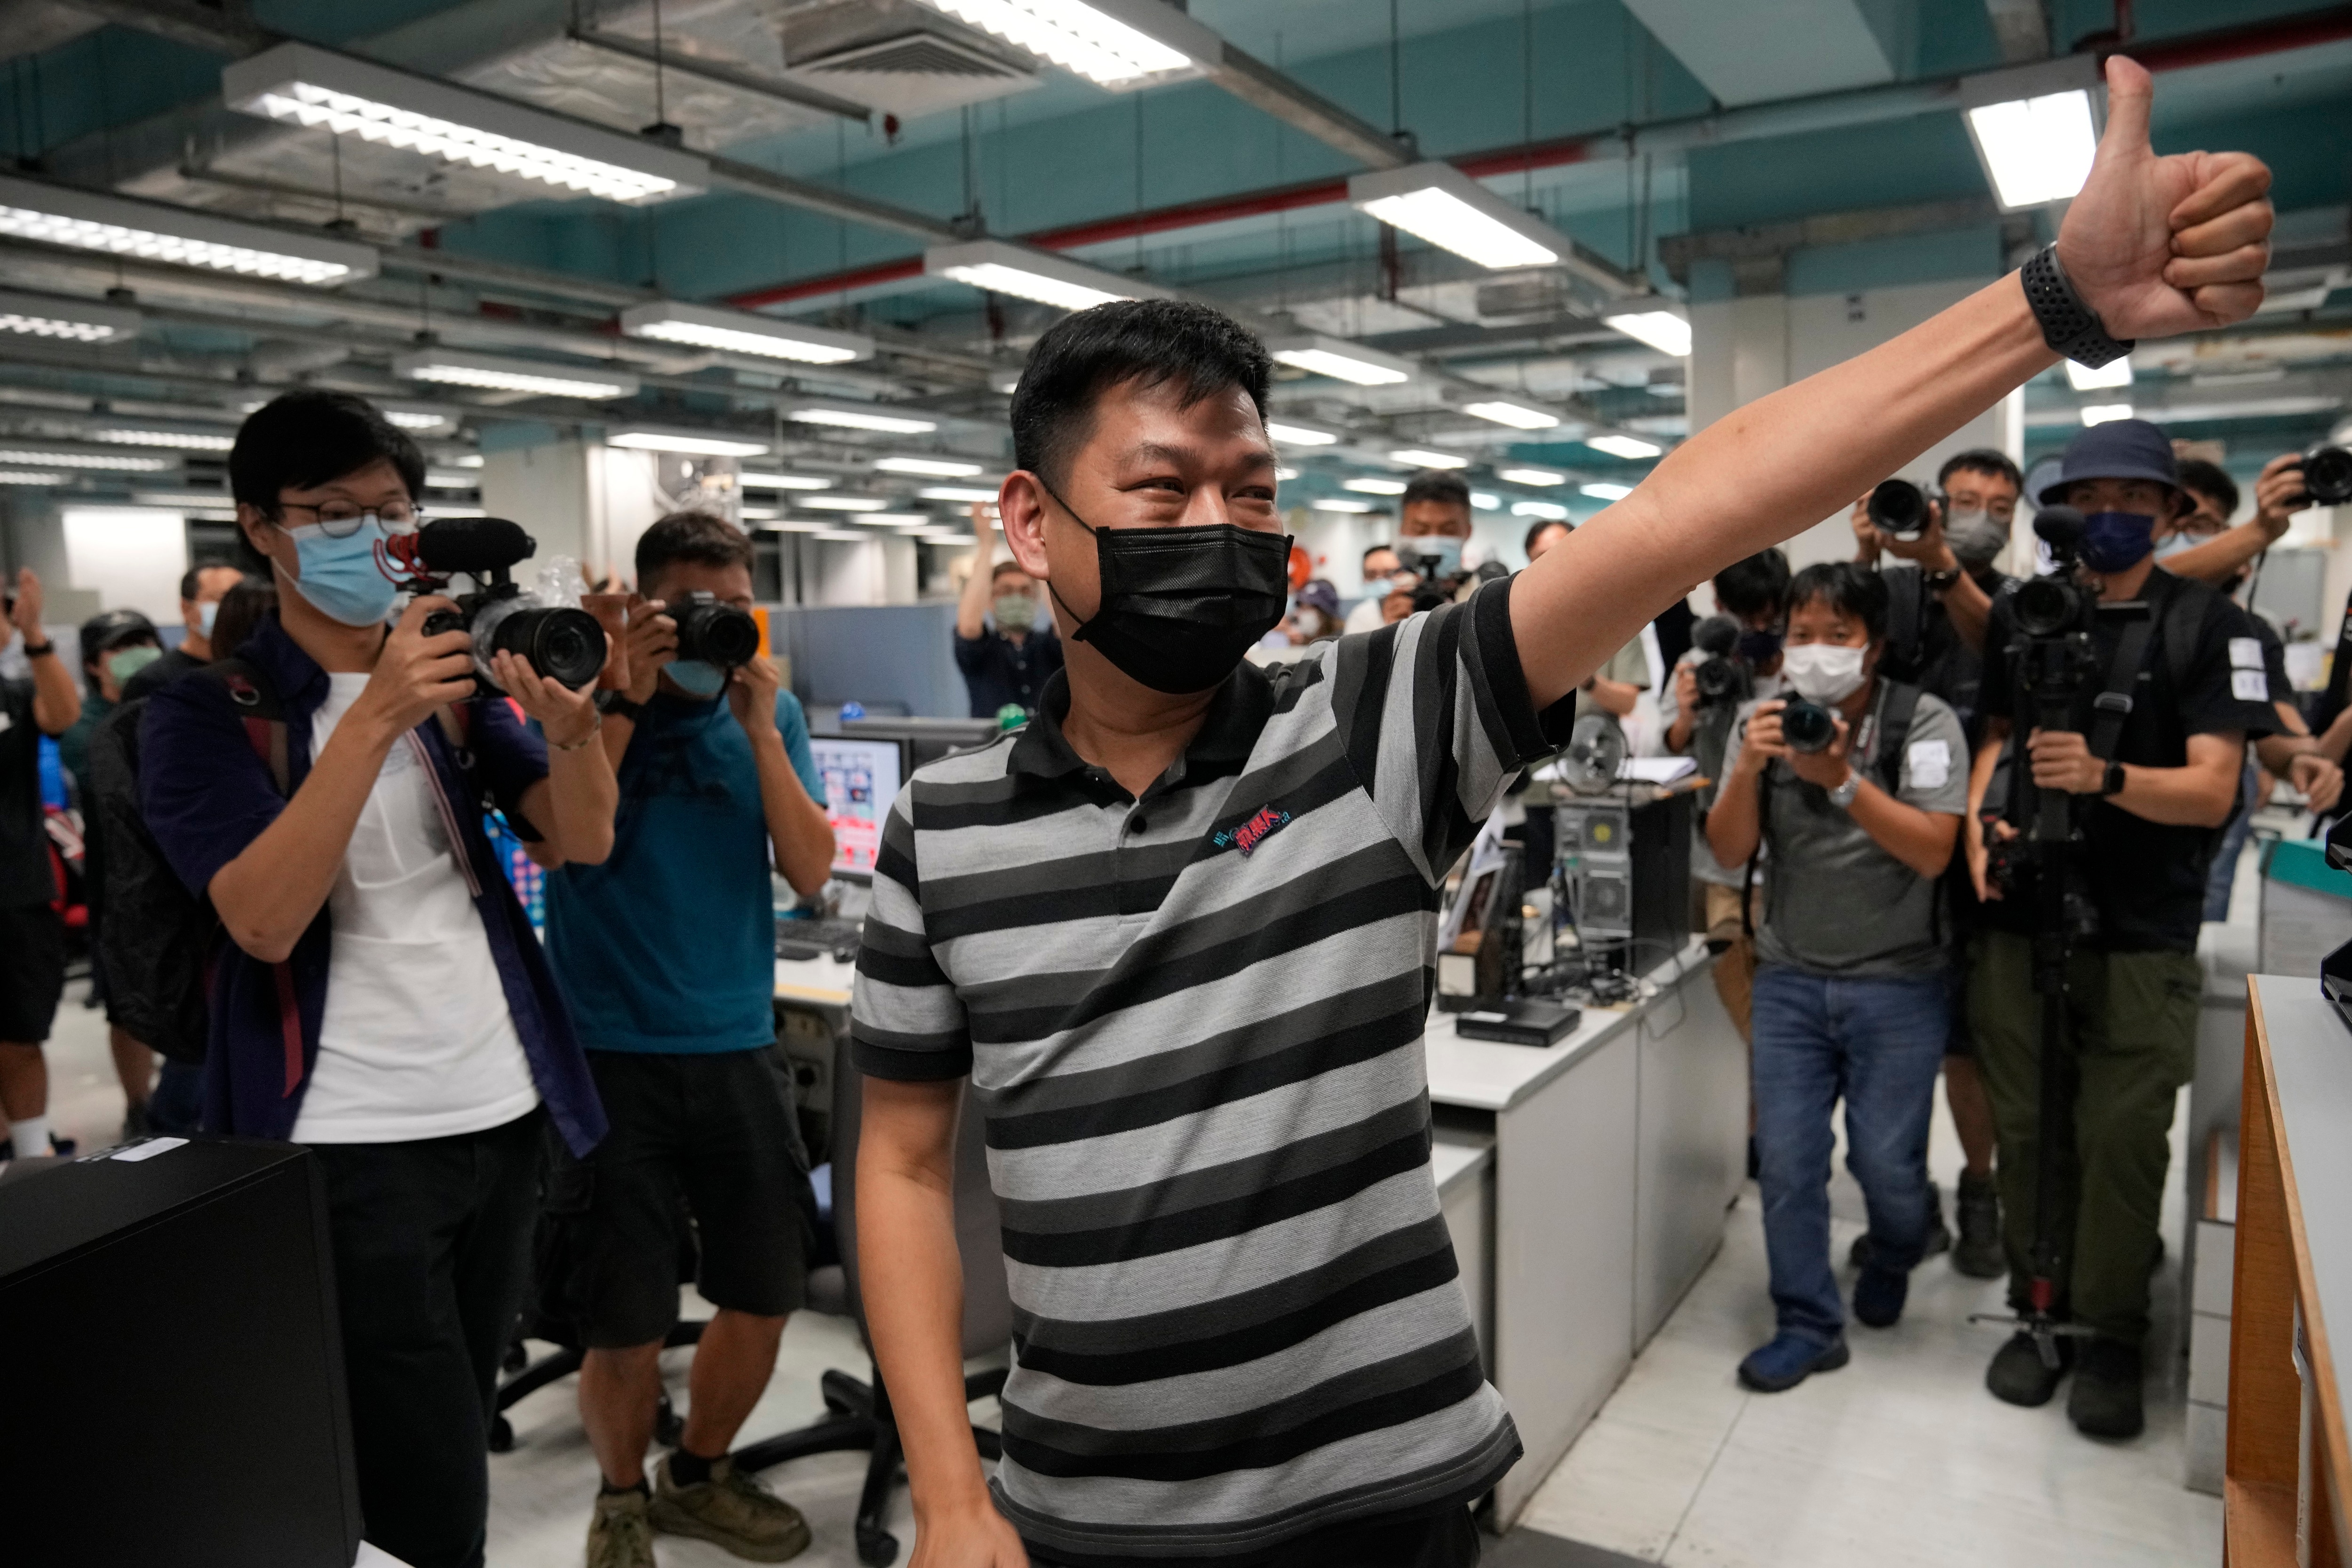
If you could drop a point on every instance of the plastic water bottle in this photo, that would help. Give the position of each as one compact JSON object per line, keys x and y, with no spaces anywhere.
{"x":853,"y":710}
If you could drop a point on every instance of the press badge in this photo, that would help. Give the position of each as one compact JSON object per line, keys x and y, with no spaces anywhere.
{"x":1928,"y":763}
{"x":2250,"y":686}
{"x":2245,"y":653}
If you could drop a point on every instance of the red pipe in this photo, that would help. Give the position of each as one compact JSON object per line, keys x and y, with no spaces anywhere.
{"x":2297,"y":32}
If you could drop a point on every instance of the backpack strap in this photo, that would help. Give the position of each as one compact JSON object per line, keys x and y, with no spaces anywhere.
{"x":260,"y":711}
{"x":1906,"y":620}
{"x":2113,"y":706}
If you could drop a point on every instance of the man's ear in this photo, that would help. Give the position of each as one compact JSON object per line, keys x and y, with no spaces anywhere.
{"x":1020,"y":510}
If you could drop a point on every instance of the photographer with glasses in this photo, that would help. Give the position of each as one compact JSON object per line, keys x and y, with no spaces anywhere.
{"x":2153,"y":787}
{"x":1857,"y":785}
{"x":379,"y":994}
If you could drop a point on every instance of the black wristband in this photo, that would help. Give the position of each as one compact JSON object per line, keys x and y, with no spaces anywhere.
{"x":617,"y":705}
{"x":2071,"y":329}
{"x":41,"y":652}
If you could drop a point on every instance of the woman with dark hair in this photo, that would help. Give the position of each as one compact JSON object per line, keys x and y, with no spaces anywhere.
{"x":378,"y":994}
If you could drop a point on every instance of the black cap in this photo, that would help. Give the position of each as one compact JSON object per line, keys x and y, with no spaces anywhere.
{"x":104,"y":633}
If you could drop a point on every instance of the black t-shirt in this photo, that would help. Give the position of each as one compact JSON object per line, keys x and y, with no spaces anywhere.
{"x":2148,"y":878}
{"x":26,"y":876}
{"x":997,"y":672}
{"x":1941,"y":663}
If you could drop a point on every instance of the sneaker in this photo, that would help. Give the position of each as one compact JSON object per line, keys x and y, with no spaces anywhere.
{"x":2105,"y":1399}
{"x":1979,"y":1253}
{"x":619,"y":1533}
{"x":1939,"y":1234}
{"x":2017,"y":1375}
{"x":136,"y":1123}
{"x":1878,"y":1296}
{"x":1788,"y":1360}
{"x":731,"y":1510}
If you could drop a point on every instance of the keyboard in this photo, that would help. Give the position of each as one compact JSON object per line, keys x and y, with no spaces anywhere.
{"x":818,"y":939}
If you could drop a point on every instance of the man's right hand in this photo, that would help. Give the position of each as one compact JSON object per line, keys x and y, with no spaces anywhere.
{"x":2278,"y":494}
{"x":975,"y":1536}
{"x":1979,"y":849}
{"x":652,"y":642}
{"x":1866,"y":542}
{"x":417,"y":675}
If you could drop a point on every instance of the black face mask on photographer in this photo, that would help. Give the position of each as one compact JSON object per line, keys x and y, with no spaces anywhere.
{"x":1179,"y":607}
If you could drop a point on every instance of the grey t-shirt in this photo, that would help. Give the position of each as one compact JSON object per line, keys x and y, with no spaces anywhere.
{"x":1837,"y":903}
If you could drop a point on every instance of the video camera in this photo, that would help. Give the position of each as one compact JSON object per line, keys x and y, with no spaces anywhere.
{"x":713,"y":632}
{"x":1719,"y":676}
{"x":561,"y":642}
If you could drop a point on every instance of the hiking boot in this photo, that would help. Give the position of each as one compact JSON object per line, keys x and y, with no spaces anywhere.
{"x":1788,"y":1360}
{"x":619,"y":1533}
{"x":1979,"y":1253}
{"x":731,"y":1510}
{"x":1878,"y":1296}
{"x":2105,"y":1399}
{"x":1939,"y":1234}
{"x":2018,"y":1376}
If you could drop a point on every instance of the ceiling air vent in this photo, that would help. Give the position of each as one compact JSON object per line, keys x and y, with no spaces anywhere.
{"x":913,"y":54}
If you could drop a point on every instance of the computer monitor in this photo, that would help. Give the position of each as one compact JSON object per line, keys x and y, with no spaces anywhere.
{"x":861,"y":779}
{"x":928,"y":740}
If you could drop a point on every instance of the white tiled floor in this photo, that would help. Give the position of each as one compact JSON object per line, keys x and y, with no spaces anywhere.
{"x":1900,"y":1458}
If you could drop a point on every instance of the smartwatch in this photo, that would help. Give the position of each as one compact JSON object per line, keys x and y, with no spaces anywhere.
{"x":1843,"y":797}
{"x":617,"y":705}
{"x":2113,"y":784}
{"x":2069,"y":327}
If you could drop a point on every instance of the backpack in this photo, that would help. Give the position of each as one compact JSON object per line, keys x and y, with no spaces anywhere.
{"x":156,"y":940}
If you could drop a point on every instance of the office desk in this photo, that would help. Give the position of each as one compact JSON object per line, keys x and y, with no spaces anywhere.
{"x":1614,"y":1154}
{"x":1585,"y":1185}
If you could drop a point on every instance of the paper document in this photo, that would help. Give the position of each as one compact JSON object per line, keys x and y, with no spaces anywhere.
{"x":1657,"y":770}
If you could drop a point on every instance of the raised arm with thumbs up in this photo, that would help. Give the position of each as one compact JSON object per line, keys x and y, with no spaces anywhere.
{"x":2152,"y":245}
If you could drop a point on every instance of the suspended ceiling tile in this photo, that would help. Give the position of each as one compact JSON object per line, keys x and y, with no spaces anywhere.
{"x":1751,"y":53}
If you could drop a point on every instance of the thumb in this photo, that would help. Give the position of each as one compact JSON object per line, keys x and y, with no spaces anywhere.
{"x":2130,"y":90}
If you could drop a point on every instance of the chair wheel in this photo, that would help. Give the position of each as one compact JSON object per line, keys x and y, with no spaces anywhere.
{"x":876,"y":1547}
{"x":502,"y":1435}
{"x":515,"y":1360}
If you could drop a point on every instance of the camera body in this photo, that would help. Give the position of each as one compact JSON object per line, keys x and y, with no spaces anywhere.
{"x":560,"y":642}
{"x":713,"y":631}
{"x":1718,"y":677}
{"x":1900,"y":507}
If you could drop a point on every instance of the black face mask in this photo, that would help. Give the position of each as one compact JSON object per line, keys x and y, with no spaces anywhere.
{"x":1179,"y":607}
{"x":1757,"y":646}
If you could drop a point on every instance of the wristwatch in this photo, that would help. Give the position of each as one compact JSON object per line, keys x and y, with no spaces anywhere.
{"x":1843,"y":797}
{"x":44,"y":649}
{"x":1939,"y":578}
{"x":2113,"y":784}
{"x":617,"y":705}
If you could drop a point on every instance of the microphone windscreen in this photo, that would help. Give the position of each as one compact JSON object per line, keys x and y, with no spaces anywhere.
{"x":472,"y":544}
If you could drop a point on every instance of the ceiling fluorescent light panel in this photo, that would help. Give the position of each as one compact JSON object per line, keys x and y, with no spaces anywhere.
{"x":1663,"y":330}
{"x":300,"y":85}
{"x":109,"y":462}
{"x":1116,"y":44}
{"x":1000,"y":267}
{"x":1341,"y":359}
{"x":693,"y":444}
{"x":743,"y":331}
{"x":783,"y":482}
{"x":150,"y":231}
{"x":1440,"y":204}
{"x":1423,"y":458}
{"x":2115,"y":373}
{"x":2034,"y":129}
{"x":38,"y":316}
{"x":1517,"y":416}
{"x":1531,"y":476}
{"x":1628,"y":446}
{"x":1291,"y":434}
{"x":859,"y":419}
{"x":542,"y":378}
{"x":929,"y":468}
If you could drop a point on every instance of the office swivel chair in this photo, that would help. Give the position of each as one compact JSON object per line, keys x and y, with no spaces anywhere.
{"x":858,"y":1412}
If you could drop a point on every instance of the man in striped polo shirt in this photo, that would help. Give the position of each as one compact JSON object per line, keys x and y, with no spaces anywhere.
{"x":1180,"y":929}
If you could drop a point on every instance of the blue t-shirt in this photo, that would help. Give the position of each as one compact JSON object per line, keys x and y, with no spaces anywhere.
{"x":670,"y":944}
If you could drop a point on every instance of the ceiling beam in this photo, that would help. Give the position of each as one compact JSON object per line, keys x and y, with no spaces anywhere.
{"x":2022,"y":27}
{"x":1301,"y":107}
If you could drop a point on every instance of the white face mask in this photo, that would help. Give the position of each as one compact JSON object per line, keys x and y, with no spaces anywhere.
{"x":1823,"y":672}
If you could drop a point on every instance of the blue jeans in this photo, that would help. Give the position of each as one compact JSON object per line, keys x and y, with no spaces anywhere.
{"x":1878,"y":1042}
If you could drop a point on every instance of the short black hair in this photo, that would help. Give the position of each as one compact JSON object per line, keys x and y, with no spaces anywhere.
{"x":310,"y":436}
{"x":1757,"y":585}
{"x":1850,"y":590}
{"x":1370,"y":551}
{"x":1153,"y":342}
{"x":2210,"y":479}
{"x":1536,"y":532}
{"x":1980,"y":460}
{"x":192,"y":581}
{"x":1437,"y":485}
{"x":702,"y":537}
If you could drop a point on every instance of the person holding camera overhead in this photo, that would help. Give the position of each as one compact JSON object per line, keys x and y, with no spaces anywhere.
{"x":2152,"y":793}
{"x":379,"y":994}
{"x":1856,"y":784}
{"x":666,"y":953}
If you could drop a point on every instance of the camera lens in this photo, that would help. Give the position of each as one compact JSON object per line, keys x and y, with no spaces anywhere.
{"x":1714,"y":678}
{"x":2043,"y":606}
{"x":2327,"y":476}
{"x":1808,"y":726}
{"x":565,"y":646}
{"x":1899,"y":506}
{"x":715,"y":633}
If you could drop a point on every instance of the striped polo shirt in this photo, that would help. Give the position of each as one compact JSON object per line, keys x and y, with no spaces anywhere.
{"x":1193,"y":1023}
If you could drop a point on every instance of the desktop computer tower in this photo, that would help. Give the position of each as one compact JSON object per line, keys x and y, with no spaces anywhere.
{"x":173,"y":1371}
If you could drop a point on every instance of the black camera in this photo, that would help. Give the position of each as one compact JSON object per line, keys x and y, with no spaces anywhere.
{"x":559,"y":643}
{"x":2327,"y":476}
{"x":1717,"y":676}
{"x":1900,"y":507}
{"x":715,"y":633}
{"x":1807,"y":727}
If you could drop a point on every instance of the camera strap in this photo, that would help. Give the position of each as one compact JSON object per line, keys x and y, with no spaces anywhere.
{"x":2113,"y":706}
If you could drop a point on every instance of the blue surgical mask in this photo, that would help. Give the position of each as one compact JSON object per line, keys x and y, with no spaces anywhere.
{"x":206,"y":613}
{"x":2175,"y":544}
{"x":341,"y":577}
{"x":2116,"y":541}
{"x":697,"y":678}
{"x":1445,"y":549}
